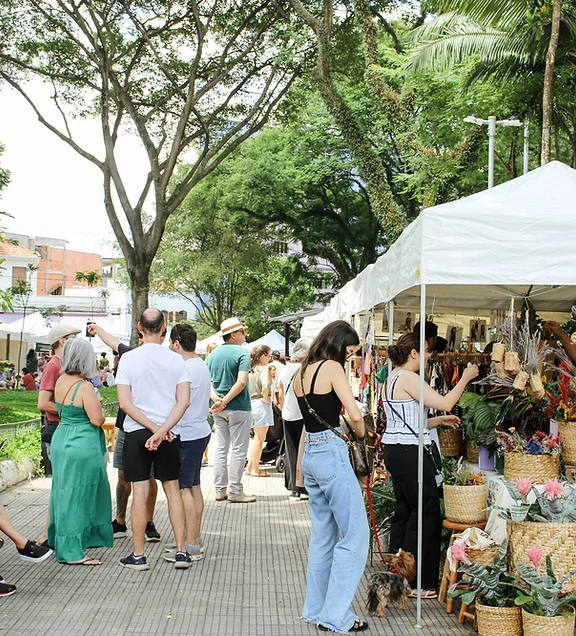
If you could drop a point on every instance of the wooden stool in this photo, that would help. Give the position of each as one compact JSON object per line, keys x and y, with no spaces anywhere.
{"x":449,"y":577}
{"x":109,"y":428}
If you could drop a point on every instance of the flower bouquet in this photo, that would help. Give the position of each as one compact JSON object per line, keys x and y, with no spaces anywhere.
{"x":536,"y":457}
{"x":465,"y":493}
{"x":546,"y":607}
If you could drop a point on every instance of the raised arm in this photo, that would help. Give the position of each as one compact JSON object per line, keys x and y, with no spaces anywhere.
{"x":410,"y":383}
{"x":107,"y":338}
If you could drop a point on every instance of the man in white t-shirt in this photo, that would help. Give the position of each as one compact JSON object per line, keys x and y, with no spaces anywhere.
{"x":154,"y":392}
{"x":292,"y":417}
{"x":194,"y":432}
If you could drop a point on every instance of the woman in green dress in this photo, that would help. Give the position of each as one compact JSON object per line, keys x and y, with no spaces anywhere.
{"x":80,"y":505}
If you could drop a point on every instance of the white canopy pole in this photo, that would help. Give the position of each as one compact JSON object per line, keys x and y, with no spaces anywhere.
{"x":421,"y":453}
{"x":390,"y":331}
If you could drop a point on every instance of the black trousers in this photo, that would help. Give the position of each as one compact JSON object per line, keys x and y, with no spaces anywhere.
{"x":292,"y":433}
{"x":402,"y":464}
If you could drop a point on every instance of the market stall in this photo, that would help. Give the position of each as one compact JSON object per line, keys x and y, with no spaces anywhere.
{"x":488,"y":251}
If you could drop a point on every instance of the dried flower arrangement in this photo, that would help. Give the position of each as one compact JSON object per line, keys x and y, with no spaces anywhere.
{"x":511,"y":441}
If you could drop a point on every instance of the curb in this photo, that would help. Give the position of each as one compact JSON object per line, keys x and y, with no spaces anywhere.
{"x":12,"y":473}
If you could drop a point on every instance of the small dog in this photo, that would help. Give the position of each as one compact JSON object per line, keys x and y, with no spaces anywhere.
{"x":392,"y":585}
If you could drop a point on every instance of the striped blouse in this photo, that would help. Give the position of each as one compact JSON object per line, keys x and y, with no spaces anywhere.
{"x":396,"y":430}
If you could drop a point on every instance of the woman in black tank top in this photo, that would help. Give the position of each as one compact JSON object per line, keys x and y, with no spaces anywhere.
{"x":339,"y":540}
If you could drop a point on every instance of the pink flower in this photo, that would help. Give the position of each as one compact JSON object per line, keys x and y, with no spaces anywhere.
{"x":524,"y":486}
{"x":553,"y":489}
{"x":459,"y":553}
{"x":535,"y":556}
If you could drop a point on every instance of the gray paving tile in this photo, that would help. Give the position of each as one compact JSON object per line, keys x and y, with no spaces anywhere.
{"x":251,"y":582}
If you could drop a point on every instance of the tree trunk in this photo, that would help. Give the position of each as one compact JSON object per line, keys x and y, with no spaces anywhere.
{"x":549,"y":81}
{"x":139,"y":290}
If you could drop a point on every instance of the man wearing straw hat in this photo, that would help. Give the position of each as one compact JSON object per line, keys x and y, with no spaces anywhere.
{"x":229,"y":367}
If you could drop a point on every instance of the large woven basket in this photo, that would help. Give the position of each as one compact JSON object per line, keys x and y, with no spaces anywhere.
{"x":538,"y":467}
{"x":465,"y":504}
{"x":472,"y":452}
{"x":567,"y":432}
{"x":556,"y":539}
{"x":498,"y":621}
{"x":483,"y":557}
{"x":547,"y":625}
{"x":450,"y":440}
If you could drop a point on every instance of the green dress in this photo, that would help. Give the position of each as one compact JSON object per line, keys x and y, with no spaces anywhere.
{"x":80,"y":504}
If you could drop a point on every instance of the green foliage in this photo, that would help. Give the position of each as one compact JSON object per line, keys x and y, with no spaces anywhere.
{"x":480,"y":414}
{"x":226,"y":269}
{"x":383,"y":501}
{"x":91,"y":278}
{"x":25,"y":445}
{"x":453,"y":473}
{"x":491,"y":585}
{"x":19,"y":406}
{"x":542,"y":594}
{"x":560,"y":509}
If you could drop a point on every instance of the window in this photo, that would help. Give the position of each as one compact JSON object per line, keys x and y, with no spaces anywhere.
{"x":18,"y":273}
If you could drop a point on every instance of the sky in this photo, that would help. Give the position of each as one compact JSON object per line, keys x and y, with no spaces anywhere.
{"x":54,"y":192}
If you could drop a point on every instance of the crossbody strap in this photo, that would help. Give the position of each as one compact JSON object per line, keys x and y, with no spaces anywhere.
{"x":396,"y":412}
{"x":316,"y":416}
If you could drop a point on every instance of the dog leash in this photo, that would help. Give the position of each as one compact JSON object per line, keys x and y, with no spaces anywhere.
{"x":373,"y":518}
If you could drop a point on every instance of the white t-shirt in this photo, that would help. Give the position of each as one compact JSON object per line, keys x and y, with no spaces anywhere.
{"x":291,"y":410}
{"x":194,"y":423}
{"x":152,"y":372}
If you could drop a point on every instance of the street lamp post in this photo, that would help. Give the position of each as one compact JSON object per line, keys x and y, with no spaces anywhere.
{"x":492,"y":122}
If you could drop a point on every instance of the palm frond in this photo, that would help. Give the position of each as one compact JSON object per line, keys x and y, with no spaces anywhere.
{"x":500,"y":14}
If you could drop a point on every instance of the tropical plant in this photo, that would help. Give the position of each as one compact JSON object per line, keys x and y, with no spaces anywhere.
{"x":454,"y":474}
{"x":542,"y":594}
{"x":556,"y":504}
{"x":489,"y":584}
{"x":91,"y":278}
{"x":480,"y":414}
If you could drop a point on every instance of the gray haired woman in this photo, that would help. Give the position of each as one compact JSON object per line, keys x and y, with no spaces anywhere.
{"x":80,"y":504}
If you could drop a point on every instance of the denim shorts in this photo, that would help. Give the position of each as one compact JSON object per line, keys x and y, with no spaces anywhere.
{"x":191,"y":462}
{"x":262,"y":414}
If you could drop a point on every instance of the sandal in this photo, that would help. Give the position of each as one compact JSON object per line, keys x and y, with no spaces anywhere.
{"x":425,"y":594}
{"x":85,"y":561}
{"x":358,"y":626}
{"x":260,"y":473}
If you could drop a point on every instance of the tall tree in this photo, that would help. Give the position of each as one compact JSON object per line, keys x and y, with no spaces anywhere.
{"x":194,"y":77}
{"x":549,"y":80}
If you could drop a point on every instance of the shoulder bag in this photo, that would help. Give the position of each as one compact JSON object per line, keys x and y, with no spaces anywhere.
{"x":428,"y":448}
{"x":357,"y":449}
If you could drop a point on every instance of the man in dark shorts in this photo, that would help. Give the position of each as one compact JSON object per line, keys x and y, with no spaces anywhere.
{"x":154,"y":392}
{"x":124,"y":488}
{"x":194,"y":432}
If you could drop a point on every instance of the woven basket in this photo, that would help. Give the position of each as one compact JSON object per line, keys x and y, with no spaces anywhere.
{"x":556,"y":539}
{"x":547,"y":625}
{"x":472,"y":452}
{"x":498,"y":621}
{"x":567,"y":432}
{"x":483,"y":557}
{"x":465,"y":504}
{"x":538,"y":467}
{"x":450,"y":440}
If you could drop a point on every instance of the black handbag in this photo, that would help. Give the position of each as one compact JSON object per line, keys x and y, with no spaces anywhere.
{"x":357,"y":449}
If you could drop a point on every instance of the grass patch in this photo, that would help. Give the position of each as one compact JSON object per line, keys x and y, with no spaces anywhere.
{"x":22,"y":405}
{"x":24,"y":445}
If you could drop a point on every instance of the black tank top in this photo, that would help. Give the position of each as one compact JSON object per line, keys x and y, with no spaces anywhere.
{"x":327,"y":405}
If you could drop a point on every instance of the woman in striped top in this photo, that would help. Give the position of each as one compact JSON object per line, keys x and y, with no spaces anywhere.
{"x":401,"y":394}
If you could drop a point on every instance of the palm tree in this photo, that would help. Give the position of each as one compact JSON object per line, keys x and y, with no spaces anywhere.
{"x":510,"y":41}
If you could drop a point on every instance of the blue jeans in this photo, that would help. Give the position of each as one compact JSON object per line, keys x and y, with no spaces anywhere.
{"x":340,"y":535}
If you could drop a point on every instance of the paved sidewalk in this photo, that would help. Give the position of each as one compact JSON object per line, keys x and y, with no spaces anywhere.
{"x":250,"y":583}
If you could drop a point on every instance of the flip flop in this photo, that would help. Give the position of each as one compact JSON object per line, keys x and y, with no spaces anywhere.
{"x":89,"y":561}
{"x":425,"y":594}
{"x":259,"y":474}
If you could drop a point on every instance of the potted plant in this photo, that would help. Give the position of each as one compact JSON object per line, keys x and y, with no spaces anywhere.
{"x":492,"y":590}
{"x":544,"y":516}
{"x":479,"y":415}
{"x":562,"y":406}
{"x":536,"y":457}
{"x":546,"y":608}
{"x":465,"y":493}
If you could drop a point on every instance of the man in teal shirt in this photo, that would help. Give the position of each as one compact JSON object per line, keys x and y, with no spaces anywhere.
{"x":229,"y":367}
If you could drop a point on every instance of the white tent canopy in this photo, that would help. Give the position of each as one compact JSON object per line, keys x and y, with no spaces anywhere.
{"x":35,"y":328}
{"x":215,"y":338}
{"x":515,"y":240}
{"x":274,"y":340}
